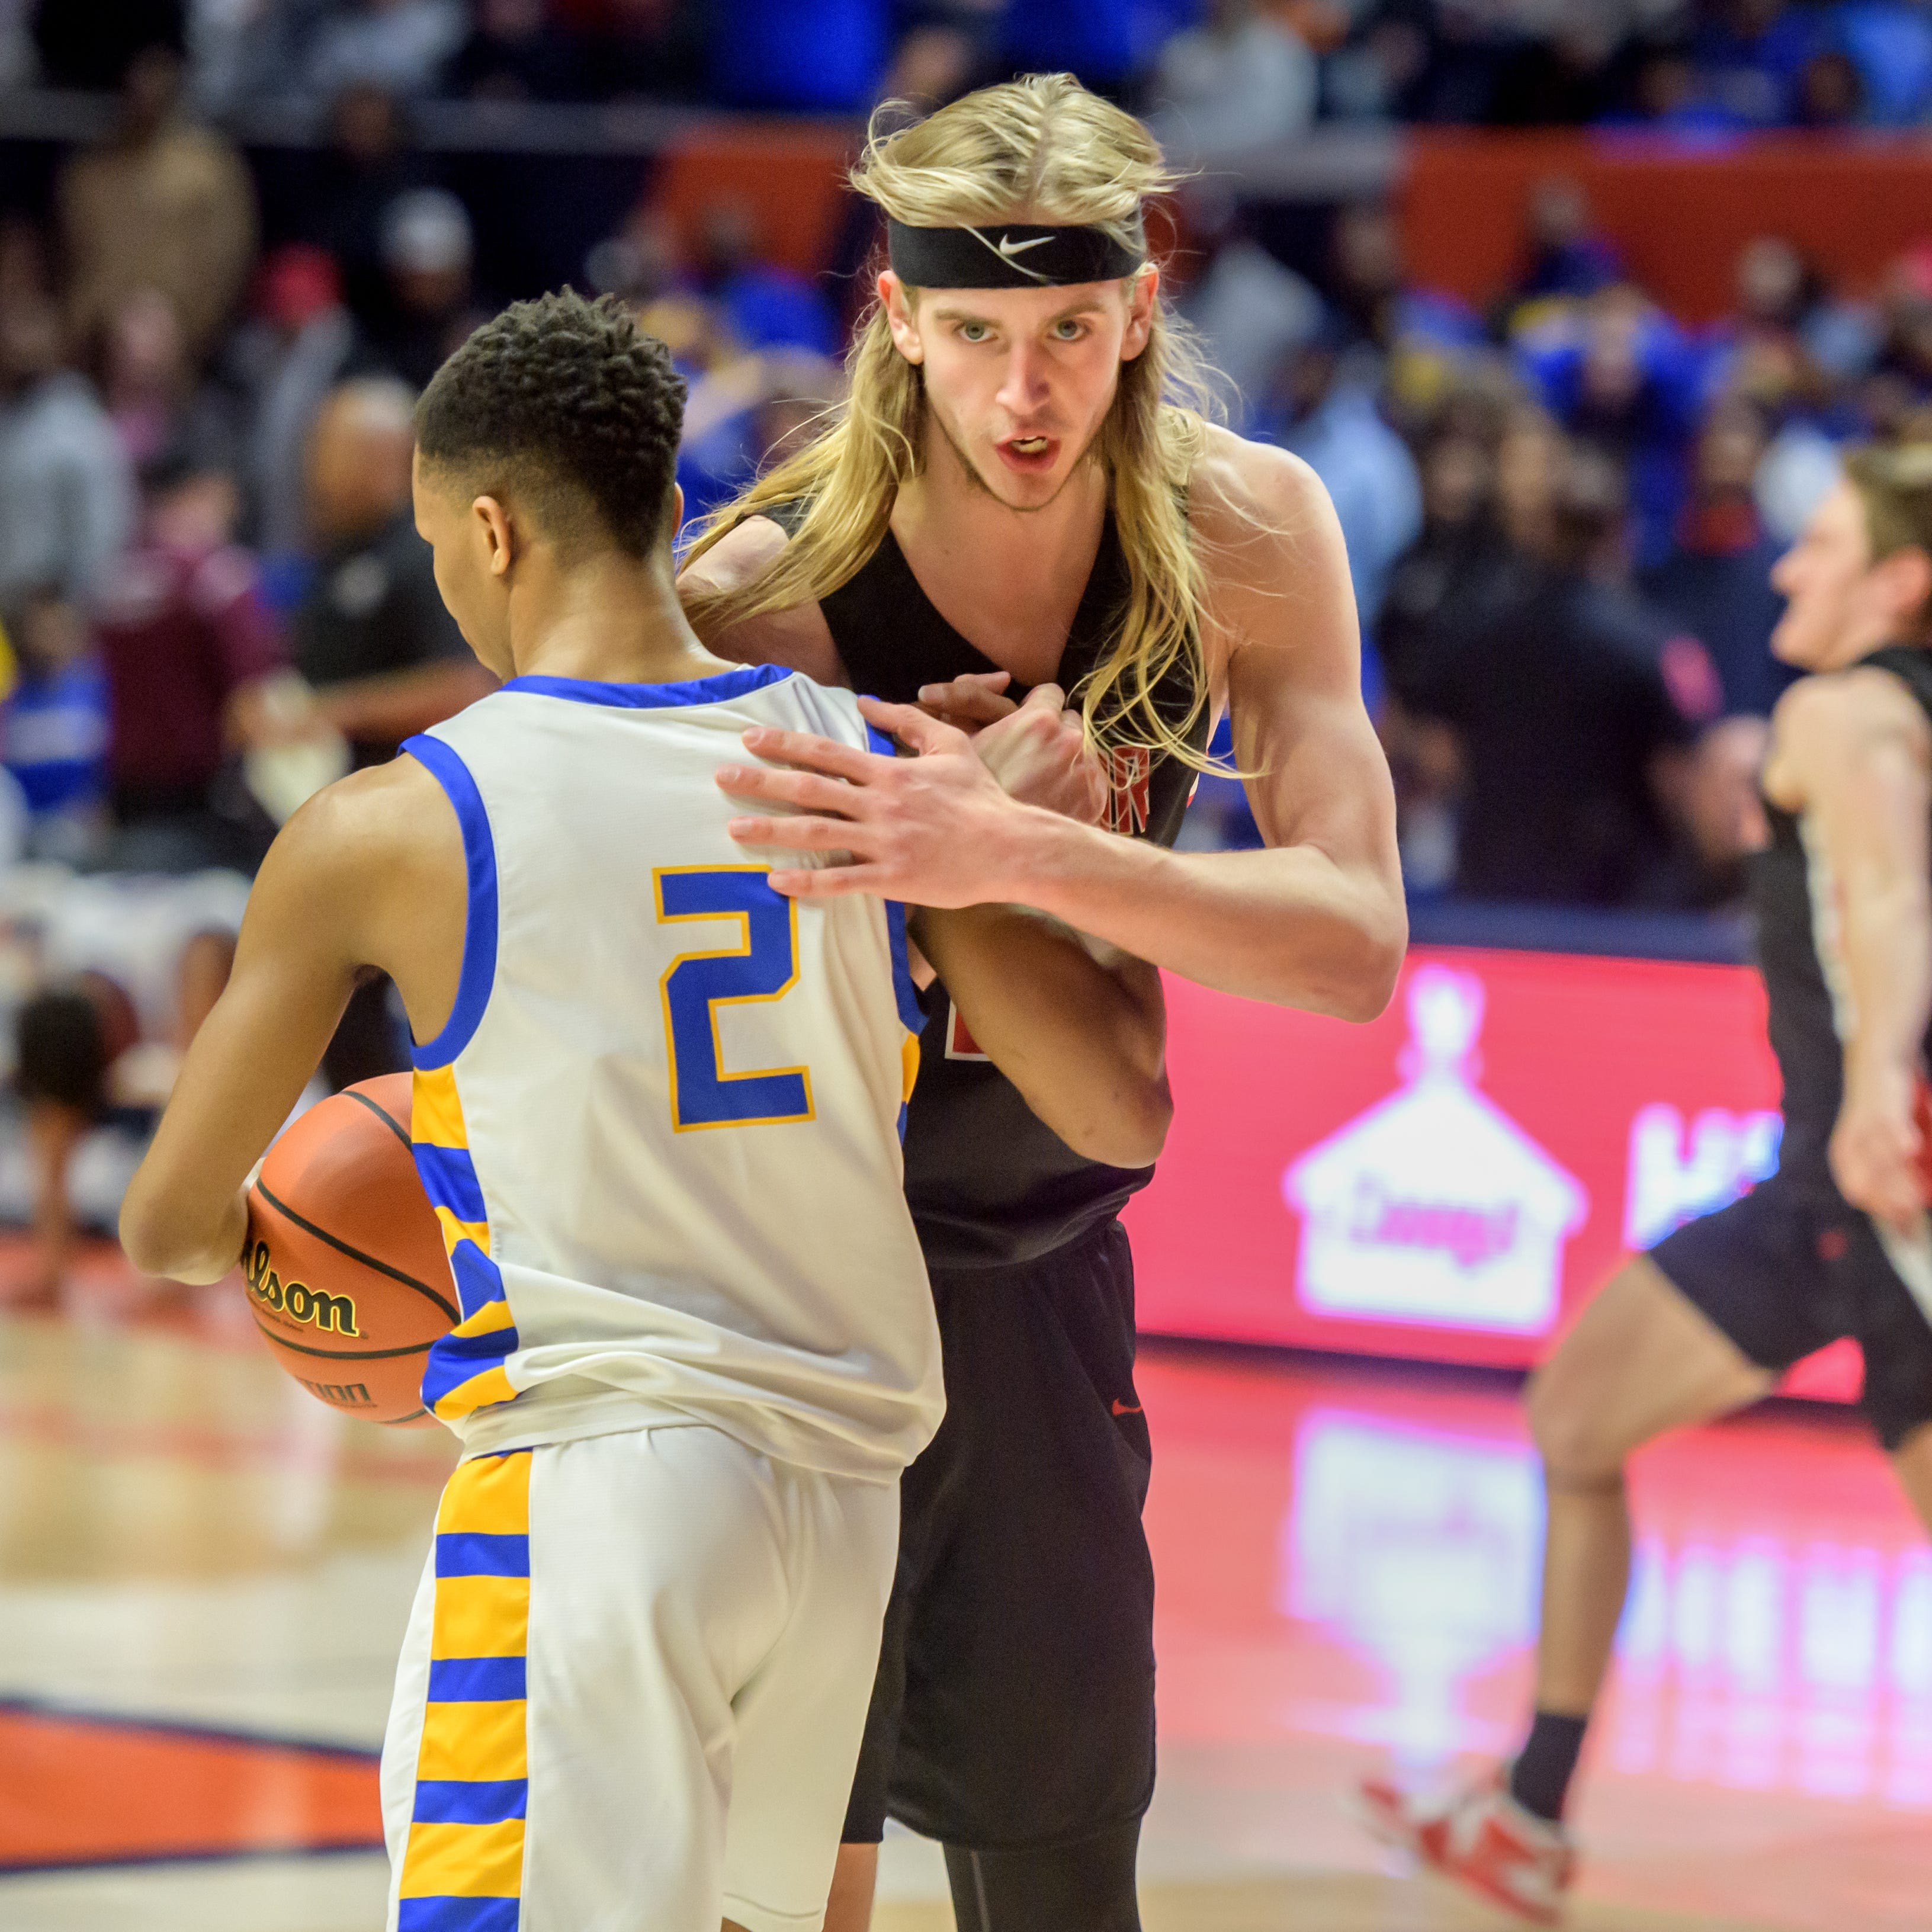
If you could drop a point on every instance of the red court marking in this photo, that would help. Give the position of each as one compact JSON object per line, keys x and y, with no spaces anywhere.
{"x":91,"y":1791}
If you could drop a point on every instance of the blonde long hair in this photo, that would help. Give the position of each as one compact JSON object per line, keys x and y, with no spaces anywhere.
{"x":1041,"y":149}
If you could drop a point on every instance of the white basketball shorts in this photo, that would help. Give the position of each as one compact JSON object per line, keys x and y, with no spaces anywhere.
{"x":632,"y":1691}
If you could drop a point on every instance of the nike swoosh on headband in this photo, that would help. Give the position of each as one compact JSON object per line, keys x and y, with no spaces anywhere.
{"x":1007,"y":248}
{"x":990,"y":257}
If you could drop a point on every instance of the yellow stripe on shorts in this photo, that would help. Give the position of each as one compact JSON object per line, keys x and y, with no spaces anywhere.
{"x":465,"y":1839}
{"x":464,"y":1860}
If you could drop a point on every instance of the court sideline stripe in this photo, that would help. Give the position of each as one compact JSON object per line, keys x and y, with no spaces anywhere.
{"x":186,"y":1727}
{"x":229,"y":1854}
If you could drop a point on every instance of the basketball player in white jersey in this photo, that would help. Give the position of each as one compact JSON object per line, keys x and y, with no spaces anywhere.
{"x":657,"y":1109}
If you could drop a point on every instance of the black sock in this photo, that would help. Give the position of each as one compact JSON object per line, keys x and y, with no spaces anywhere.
{"x":1541,"y":1776}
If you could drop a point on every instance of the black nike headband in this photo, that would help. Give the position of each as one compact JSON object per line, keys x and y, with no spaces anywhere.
{"x":1007,"y":255}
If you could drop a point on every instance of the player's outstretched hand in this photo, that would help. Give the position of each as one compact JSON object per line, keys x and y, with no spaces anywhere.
{"x":1875,"y":1152}
{"x":934,"y":830}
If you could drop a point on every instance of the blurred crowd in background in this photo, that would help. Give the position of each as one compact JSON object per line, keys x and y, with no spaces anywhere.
{"x":1562,"y":513}
{"x":1226,"y":73}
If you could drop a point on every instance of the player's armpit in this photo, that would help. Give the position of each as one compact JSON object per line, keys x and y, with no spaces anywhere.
{"x":1084,"y":1041}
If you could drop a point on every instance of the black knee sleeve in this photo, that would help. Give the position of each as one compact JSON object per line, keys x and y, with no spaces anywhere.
{"x":1085,"y":1886}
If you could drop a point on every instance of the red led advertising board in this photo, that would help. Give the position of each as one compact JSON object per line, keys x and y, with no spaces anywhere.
{"x":1453,"y":1181}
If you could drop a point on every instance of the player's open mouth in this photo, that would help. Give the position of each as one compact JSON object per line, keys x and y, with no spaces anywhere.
{"x":1029,"y":452}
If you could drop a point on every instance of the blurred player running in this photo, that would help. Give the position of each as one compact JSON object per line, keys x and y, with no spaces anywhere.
{"x":1835,"y":1243}
{"x":657,"y":1106}
{"x":1015,"y":496}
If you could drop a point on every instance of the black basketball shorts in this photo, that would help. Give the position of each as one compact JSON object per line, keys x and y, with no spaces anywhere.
{"x":1014,"y":1705}
{"x":1793,"y":1266}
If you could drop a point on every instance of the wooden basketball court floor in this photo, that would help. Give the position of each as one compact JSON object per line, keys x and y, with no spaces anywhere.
{"x":203,"y":1576}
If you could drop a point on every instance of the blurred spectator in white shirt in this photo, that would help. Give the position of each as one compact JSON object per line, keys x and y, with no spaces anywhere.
{"x":1329,"y":419}
{"x":67,"y":491}
{"x":400,"y":46}
{"x":1250,"y":310}
{"x":1243,"y":80}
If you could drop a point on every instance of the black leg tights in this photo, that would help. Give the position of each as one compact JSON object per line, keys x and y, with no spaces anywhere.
{"x":1087,"y":1885}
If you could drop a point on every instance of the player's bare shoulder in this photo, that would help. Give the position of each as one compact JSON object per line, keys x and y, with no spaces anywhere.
{"x":1835,"y":720}
{"x":799,"y":638}
{"x":1271,"y":544}
{"x":385,"y":817}
{"x":1241,"y":487}
{"x":378,"y":856}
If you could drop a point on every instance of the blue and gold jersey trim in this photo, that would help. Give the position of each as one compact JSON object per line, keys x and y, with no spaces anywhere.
{"x":463,"y":1866}
{"x":740,"y":682}
{"x":716,"y":690}
{"x":465,"y":1368}
{"x":479,"y":930}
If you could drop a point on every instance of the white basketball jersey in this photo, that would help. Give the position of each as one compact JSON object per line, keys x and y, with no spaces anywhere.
{"x":661,"y":1127}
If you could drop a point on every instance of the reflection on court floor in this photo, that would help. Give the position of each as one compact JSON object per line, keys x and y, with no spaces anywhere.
{"x":204,"y":1575}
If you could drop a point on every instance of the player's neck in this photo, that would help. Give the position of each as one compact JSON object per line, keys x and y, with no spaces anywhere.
{"x":1009,"y":580}
{"x":610,"y":620}
{"x":946,"y":503}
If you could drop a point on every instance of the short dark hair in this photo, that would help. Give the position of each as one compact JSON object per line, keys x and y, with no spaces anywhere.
{"x":569,"y":405}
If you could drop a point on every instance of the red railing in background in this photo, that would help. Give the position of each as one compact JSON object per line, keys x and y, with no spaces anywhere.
{"x":1452,"y":1182}
{"x":792,"y":174}
{"x":1679,"y":212}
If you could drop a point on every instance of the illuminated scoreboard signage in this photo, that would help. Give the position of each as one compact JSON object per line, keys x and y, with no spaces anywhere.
{"x":1450,"y":1182}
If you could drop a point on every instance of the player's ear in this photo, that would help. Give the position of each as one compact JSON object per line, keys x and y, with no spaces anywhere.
{"x":901,"y":317}
{"x":491,"y":529}
{"x":1142,"y":292}
{"x":1910,"y":571}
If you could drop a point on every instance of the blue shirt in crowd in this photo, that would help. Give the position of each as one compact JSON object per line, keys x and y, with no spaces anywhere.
{"x":53,"y":738}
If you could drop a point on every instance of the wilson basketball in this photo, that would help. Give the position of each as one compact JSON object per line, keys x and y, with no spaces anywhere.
{"x":346,"y":1275}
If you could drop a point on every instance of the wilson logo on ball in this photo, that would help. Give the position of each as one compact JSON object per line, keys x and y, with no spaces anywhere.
{"x":328,"y":1313}
{"x":344,"y":1395}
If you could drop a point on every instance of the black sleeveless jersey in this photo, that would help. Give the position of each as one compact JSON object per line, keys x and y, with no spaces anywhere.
{"x":1792,"y":897}
{"x":987,"y":1180}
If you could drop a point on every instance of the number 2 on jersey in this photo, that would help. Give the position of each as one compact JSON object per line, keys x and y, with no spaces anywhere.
{"x":762,"y":965}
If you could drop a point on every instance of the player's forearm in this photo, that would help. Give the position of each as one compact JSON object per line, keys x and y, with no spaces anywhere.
{"x":1887,"y":946}
{"x":1290,"y":926}
{"x":1084,"y":1042}
{"x":186,"y":1239}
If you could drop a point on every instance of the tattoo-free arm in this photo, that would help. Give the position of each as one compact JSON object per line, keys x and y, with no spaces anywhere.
{"x":1080,"y":1030}
{"x":369,"y":872}
{"x":1317,"y":921}
{"x":1857,"y":751}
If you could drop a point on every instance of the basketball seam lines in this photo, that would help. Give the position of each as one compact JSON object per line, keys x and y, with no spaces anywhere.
{"x":387,"y":1119}
{"x":356,"y":1254}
